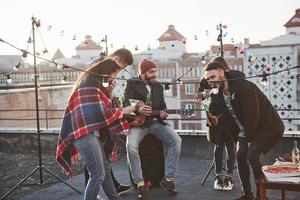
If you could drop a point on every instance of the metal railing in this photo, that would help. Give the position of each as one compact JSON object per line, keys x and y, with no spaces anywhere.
{"x":51,"y":118}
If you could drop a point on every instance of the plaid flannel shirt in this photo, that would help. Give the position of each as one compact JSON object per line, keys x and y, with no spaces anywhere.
{"x":88,"y":109}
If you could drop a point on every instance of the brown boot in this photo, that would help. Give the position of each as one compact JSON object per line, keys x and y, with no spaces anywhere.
{"x":143,"y":193}
{"x":168,"y":186}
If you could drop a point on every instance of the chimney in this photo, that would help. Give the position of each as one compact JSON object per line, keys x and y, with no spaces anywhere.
{"x":171,"y":26}
{"x":246,"y":41}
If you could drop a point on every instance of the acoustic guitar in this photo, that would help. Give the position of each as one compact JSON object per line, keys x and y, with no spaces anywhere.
{"x":139,"y":119}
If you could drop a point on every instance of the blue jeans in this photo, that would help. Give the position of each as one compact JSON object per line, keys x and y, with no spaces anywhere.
{"x":171,"y":142}
{"x":93,"y":156}
{"x":218,"y":156}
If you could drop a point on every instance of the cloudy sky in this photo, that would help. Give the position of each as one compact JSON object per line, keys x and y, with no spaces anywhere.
{"x":139,"y":22}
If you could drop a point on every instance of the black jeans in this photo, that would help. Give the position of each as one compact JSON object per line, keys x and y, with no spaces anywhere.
{"x":249,"y":154}
{"x":218,"y":156}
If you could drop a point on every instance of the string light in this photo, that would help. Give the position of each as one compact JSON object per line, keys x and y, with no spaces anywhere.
{"x":105,"y":82}
{"x":45,"y":51}
{"x":8,"y":79}
{"x":17,"y":67}
{"x":264,"y":80}
{"x":167,"y":86}
{"x":24,"y":53}
{"x":61,"y":66}
{"x":64,"y":79}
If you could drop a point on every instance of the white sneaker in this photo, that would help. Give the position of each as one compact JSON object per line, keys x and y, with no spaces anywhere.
{"x":218,"y":183}
{"x":228,"y":183}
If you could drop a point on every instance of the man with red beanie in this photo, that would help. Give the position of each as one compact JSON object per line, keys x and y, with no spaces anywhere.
{"x":147,"y":89}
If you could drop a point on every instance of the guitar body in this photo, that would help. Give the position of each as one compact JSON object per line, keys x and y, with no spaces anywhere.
{"x":139,"y":120}
{"x":136,"y":121}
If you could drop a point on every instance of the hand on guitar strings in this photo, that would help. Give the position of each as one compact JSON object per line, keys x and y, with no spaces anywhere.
{"x":127,"y":110}
{"x":145,"y":110}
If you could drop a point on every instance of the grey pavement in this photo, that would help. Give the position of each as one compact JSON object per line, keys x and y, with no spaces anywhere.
{"x":196,"y":158}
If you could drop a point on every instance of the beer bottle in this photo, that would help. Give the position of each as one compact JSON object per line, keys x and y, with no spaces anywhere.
{"x":295,"y":153}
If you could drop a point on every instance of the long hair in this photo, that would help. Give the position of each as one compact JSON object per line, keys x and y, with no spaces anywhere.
{"x":105,"y":67}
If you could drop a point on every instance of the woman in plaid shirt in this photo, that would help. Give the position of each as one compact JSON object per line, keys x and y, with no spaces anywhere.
{"x":90,"y":109}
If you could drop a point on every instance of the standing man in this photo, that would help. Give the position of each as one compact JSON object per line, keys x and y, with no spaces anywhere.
{"x":253,"y":120}
{"x":141,"y":88}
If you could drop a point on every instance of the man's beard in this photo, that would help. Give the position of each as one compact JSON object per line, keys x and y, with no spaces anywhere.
{"x":221,"y":85}
{"x":149,"y":79}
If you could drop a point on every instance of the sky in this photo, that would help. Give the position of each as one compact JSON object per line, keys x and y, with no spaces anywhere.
{"x":140,"y":23}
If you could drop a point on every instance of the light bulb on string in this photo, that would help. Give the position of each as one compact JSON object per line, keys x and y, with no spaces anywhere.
{"x":206,"y":33}
{"x":105,"y":82}
{"x":64,"y":79}
{"x":41,"y":78}
{"x":172,"y":45}
{"x":181,"y":82}
{"x":264,"y":80}
{"x":74,"y":37}
{"x":45,"y":51}
{"x":232,"y":40}
{"x":253,"y":59}
{"x":184,"y":41}
{"x":49,"y":27}
{"x":136,"y":48}
{"x":17,"y":67}
{"x":8,"y":79}
{"x":38,"y":23}
{"x":225,"y":34}
{"x":269,"y":68}
{"x":195,"y":37}
{"x":149,"y":48}
{"x":29,"y":40}
{"x":24,"y":53}
{"x":215,"y":90}
{"x":40,"y":98}
{"x":60,"y":66}
{"x":167,"y":87}
{"x":283,"y":74}
{"x":111,"y":45}
{"x":292,"y":76}
{"x":62,"y":33}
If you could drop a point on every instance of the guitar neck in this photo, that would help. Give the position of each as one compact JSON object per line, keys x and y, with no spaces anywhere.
{"x":171,"y":111}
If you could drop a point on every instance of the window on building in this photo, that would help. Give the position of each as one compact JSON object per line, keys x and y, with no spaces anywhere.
{"x":189,"y":88}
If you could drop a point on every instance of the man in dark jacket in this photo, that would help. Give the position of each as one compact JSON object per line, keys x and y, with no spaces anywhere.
{"x":249,"y":115}
{"x":146,"y":89}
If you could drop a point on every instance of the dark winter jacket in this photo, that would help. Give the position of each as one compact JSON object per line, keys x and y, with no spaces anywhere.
{"x":136,"y":89}
{"x":252,"y":108}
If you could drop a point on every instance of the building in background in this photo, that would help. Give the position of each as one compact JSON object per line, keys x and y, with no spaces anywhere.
{"x":276,"y":54}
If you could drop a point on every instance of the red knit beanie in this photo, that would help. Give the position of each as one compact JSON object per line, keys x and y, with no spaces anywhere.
{"x":146,"y":65}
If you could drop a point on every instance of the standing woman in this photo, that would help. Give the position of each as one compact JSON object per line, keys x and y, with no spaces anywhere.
{"x":90,"y":109}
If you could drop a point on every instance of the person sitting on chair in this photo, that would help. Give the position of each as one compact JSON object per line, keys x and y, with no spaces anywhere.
{"x":140,"y":88}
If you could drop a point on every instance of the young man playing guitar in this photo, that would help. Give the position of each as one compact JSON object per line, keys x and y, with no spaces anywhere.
{"x":139,"y":89}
